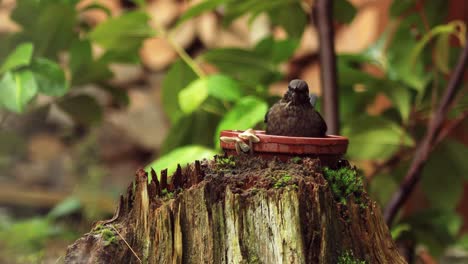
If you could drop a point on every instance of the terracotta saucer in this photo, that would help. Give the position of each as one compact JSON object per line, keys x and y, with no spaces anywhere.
{"x":328,"y":149}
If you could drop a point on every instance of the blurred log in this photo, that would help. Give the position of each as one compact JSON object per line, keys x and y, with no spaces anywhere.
{"x":233,"y":219}
{"x":96,"y":16}
{"x":18,"y":195}
{"x":163,"y":12}
{"x":157,"y":54}
{"x":207,"y":28}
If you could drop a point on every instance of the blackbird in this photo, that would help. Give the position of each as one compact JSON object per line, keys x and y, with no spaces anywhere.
{"x":294,"y":115}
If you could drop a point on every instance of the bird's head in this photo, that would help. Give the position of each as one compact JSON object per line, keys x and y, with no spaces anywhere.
{"x":298,"y":92}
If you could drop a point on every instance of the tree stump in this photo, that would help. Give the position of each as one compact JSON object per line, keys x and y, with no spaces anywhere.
{"x":239,"y":210}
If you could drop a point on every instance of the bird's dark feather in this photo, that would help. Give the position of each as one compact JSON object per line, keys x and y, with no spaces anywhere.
{"x":294,"y":115}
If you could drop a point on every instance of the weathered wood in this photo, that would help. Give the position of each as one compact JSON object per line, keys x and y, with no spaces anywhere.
{"x":177,"y":180}
{"x":199,"y":174}
{"x":164,"y":179}
{"x":243,"y":217}
{"x":155,"y":181}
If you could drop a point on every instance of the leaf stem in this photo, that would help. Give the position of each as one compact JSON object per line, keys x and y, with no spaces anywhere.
{"x":180,"y":51}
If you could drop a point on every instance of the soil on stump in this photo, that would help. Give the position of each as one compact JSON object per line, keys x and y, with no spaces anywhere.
{"x":241,"y":210}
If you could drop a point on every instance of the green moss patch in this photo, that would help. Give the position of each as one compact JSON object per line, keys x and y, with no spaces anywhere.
{"x":107,"y":234}
{"x":348,"y":258}
{"x":343,"y":183}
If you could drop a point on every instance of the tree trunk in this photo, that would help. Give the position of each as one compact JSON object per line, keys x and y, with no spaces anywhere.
{"x":238,"y":211}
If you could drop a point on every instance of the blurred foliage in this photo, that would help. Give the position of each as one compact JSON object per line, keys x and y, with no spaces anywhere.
{"x":29,"y":236}
{"x":413,"y":56}
{"x":32,"y":60}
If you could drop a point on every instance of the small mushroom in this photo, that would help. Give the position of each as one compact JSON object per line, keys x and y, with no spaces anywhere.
{"x":241,"y":146}
{"x":249,"y":135}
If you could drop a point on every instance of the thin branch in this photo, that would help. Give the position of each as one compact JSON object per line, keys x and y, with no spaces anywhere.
{"x":180,"y":51}
{"x":128,"y":245}
{"x":323,"y":13}
{"x":393,"y":161}
{"x":413,"y":175}
{"x":450,"y":127}
{"x":185,"y":57}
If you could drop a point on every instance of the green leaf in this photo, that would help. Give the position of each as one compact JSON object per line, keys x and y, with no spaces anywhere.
{"x":344,"y":11}
{"x":400,"y":66}
{"x":141,"y":3}
{"x":377,"y":51}
{"x":355,"y":102}
{"x":446,"y":29}
{"x":442,"y":53}
{"x":22,"y":14}
{"x":84,"y":109}
{"x":224,"y":88}
{"x":80,"y":56}
{"x":64,"y":208}
{"x":191,"y":97}
{"x":50,"y":77}
{"x":51,"y":27}
{"x":177,"y":78}
{"x":400,"y":96}
{"x":446,"y":167}
{"x":97,"y":6}
{"x":463,"y":242}
{"x":244,"y":65}
{"x":219,"y":86}
{"x":21,"y":56}
{"x":124,"y":33}
{"x":130,"y":56}
{"x":83,"y":68}
{"x":200,"y":8}
{"x":349,"y":76}
{"x":180,"y":156}
{"x":34,"y":233}
{"x":277,"y":50}
{"x":235,"y":9}
{"x":17,"y":89}
{"x":436,"y":12}
{"x":398,"y":7}
{"x":382,"y":187}
{"x":279,"y":11}
{"x":398,"y":230}
{"x":374,"y":138}
{"x":196,"y":128}
{"x":444,"y":225}
{"x":248,"y":112}
{"x":282,"y":16}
